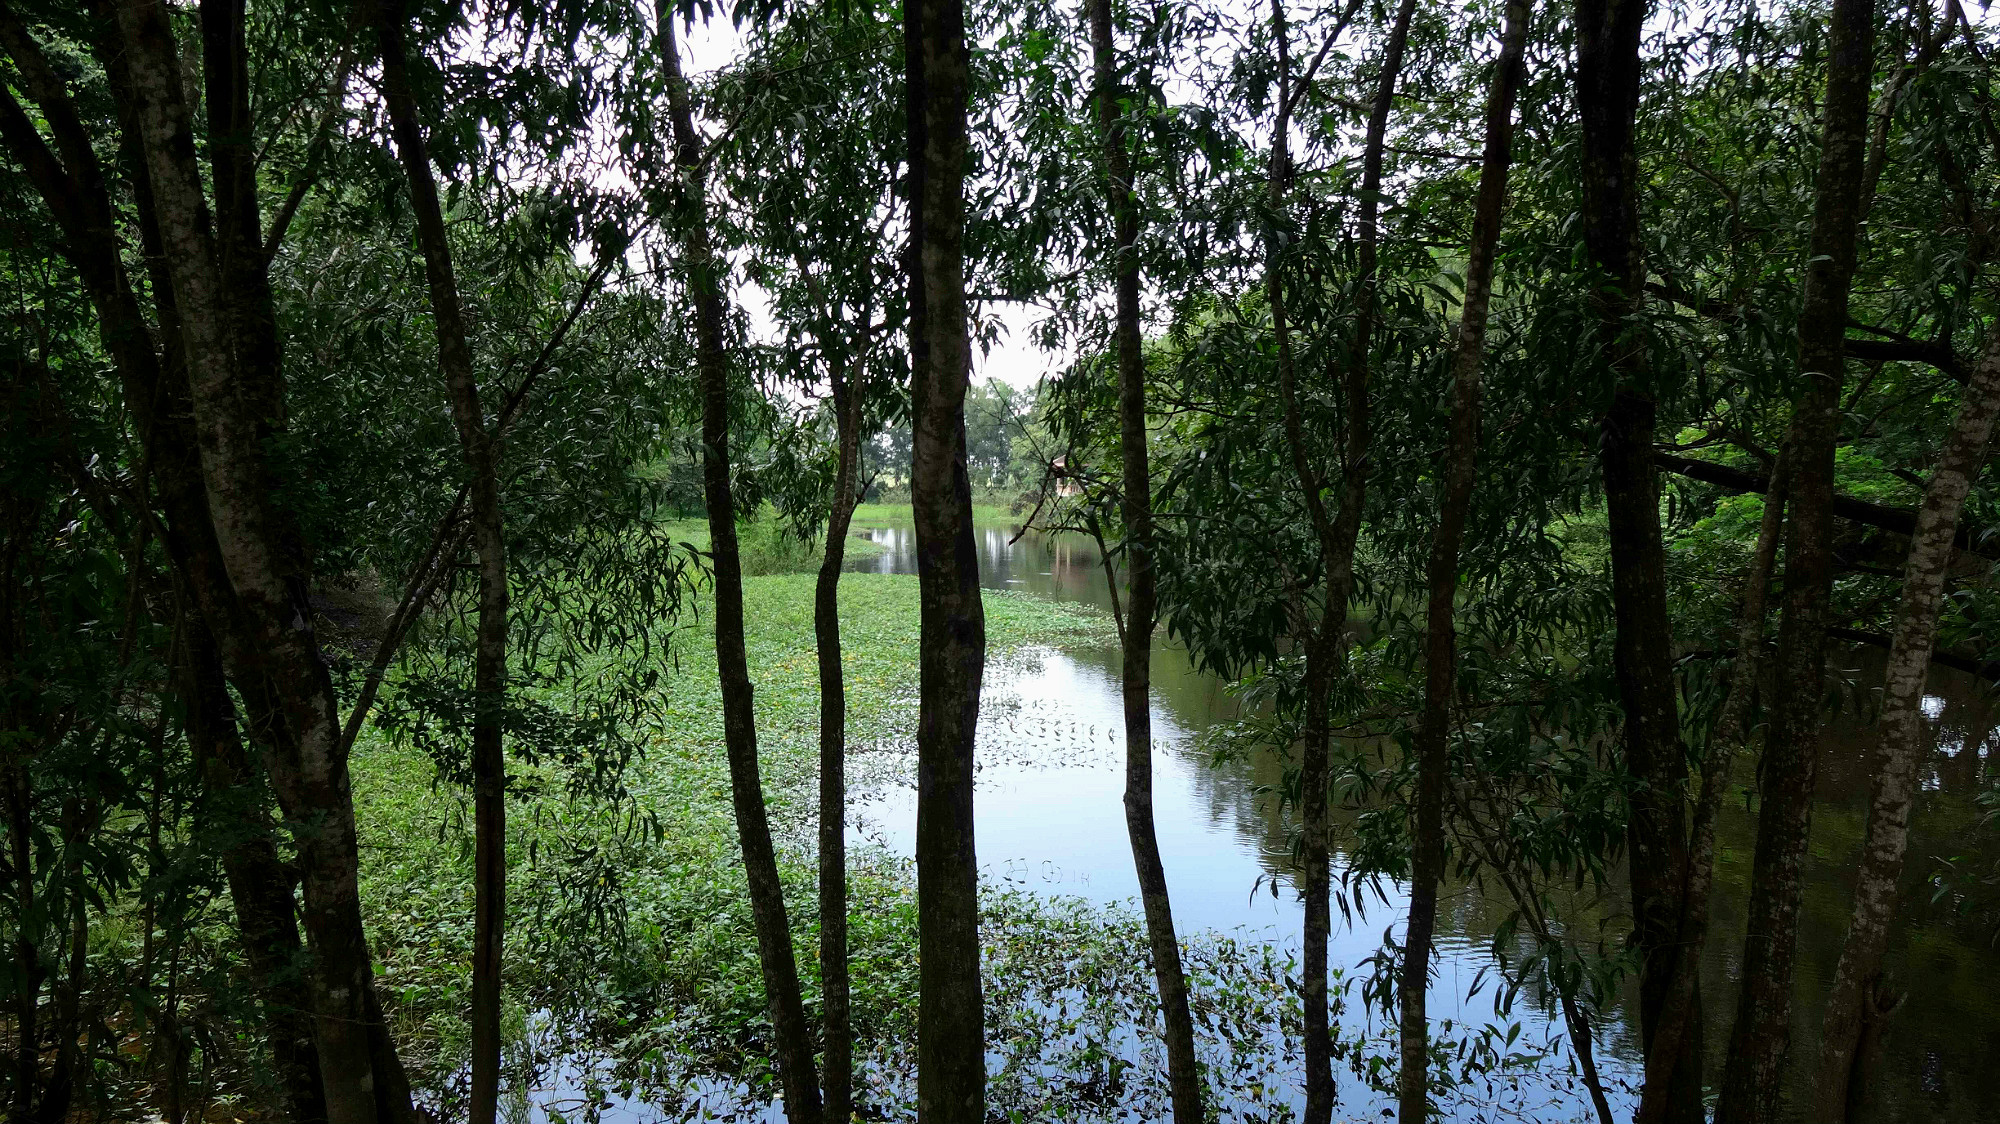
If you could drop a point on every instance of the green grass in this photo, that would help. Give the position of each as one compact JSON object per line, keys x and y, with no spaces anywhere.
{"x":898,"y":514}
{"x":765,"y":546}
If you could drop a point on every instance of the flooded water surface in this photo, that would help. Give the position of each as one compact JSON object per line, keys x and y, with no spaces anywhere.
{"x":1050,"y":820}
{"x":1050,"y":817}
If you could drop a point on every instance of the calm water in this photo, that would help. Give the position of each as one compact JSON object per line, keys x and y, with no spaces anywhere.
{"x":1050,"y":817}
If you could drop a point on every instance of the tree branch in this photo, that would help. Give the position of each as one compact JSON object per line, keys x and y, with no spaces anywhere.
{"x":1902,"y":521}
{"x":1889,"y":346}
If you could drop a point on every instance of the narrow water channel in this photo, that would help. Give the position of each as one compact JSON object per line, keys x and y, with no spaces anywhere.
{"x":1049,"y":817}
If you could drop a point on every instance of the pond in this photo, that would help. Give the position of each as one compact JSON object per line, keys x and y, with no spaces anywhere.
{"x":1049,"y":817}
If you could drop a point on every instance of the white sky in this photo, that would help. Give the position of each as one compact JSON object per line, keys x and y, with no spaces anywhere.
{"x":714,"y":45}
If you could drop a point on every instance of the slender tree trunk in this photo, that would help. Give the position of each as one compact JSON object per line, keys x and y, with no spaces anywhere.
{"x":1884,"y":112}
{"x":1323,"y":635}
{"x":17,"y":789}
{"x":29,"y":971}
{"x":59,"y":1088}
{"x":1440,"y":640}
{"x":1680,"y":1010}
{"x":837,"y":1082}
{"x":1857,"y":977}
{"x":951,"y":1032}
{"x":1142,"y":597}
{"x":1608,"y":71}
{"x":1337,"y":535}
{"x":739,"y":723}
{"x":479,"y":449}
{"x":236,"y":383}
{"x":1753,"y":1077}
{"x":1578,"y":1021}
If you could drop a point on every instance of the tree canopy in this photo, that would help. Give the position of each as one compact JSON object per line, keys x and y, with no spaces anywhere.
{"x":1528,"y":411}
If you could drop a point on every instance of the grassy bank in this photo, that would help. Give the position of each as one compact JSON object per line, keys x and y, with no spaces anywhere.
{"x":898,"y":515}
{"x":766,"y":547}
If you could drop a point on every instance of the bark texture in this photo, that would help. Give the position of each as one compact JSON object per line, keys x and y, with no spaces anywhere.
{"x":1753,"y":1077}
{"x":796,"y":1071}
{"x":837,"y":1079}
{"x":260,"y":889}
{"x":951,"y":1037}
{"x":154,"y":385}
{"x":1433,"y":734}
{"x":480,"y":452}
{"x":1141,"y":584}
{"x":1857,"y":978}
{"x":1607,"y":78}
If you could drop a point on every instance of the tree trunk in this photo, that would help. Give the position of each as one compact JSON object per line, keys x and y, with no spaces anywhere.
{"x":479,"y":449}
{"x":59,"y":1088}
{"x":1337,"y":535}
{"x":1433,"y":733}
{"x":739,"y":723}
{"x":1315,"y":737}
{"x":156,"y":391}
{"x":837,"y":1081}
{"x":951,"y":1033}
{"x":1753,"y":1077}
{"x":1680,"y":1011}
{"x":29,"y":970}
{"x":1585,"y":1048}
{"x":1142,"y":597}
{"x":1857,"y":976}
{"x":260,"y":890}
{"x":1608,"y":70}
{"x":236,"y":384}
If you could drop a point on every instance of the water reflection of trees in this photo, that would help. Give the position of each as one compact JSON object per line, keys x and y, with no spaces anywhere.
{"x":1939,"y":1057}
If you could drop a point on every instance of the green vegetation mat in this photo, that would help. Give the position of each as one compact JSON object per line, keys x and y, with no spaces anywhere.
{"x":634,"y":920}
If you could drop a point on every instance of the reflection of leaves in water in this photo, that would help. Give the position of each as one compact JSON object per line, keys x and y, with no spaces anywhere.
{"x":1041,"y":732}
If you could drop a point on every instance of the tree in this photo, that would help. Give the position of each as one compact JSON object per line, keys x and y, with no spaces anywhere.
{"x":239,"y":555}
{"x":1607,"y":90}
{"x":1142,"y":597}
{"x":1326,"y":640}
{"x":951,"y":1052}
{"x":705,"y":280}
{"x":815,"y":175}
{"x":1751,"y":1081}
{"x":1858,"y":1001}
{"x":478,"y":445}
{"x":1432,"y":741}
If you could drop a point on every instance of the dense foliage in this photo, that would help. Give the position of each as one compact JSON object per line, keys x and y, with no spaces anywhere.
{"x":368,"y":374}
